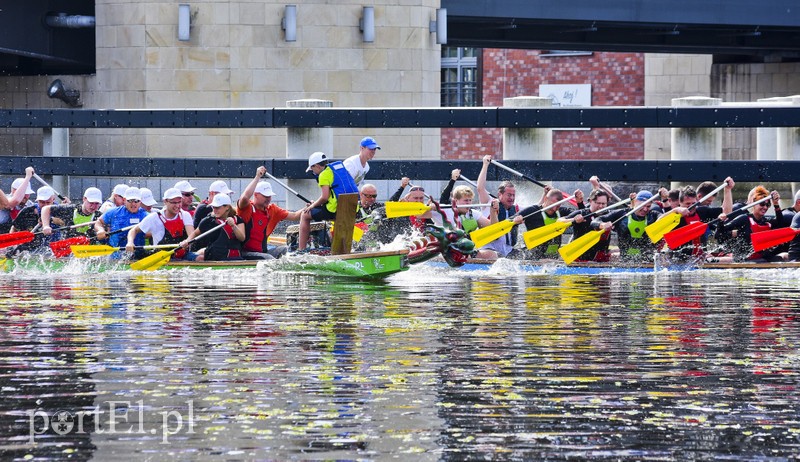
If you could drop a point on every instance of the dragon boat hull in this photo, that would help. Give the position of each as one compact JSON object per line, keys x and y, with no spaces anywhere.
{"x":558,"y":267}
{"x":363,"y":265}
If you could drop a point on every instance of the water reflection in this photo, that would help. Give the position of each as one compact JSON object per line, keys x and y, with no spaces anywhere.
{"x":438,"y":365}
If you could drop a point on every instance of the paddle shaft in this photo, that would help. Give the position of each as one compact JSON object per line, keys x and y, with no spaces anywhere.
{"x":475,"y":185}
{"x":286,"y":186}
{"x":45,"y":183}
{"x":700,"y":201}
{"x":519,"y":174}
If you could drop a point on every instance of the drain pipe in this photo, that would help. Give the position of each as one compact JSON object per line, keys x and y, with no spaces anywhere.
{"x":61,"y":20}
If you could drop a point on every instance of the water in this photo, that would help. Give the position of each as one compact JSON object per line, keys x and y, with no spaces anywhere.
{"x":431,"y":364}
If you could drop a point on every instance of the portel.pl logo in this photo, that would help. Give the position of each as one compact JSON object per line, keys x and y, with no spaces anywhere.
{"x":119,"y":418}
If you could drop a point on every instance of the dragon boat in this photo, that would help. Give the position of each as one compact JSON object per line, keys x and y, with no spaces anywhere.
{"x":558,"y":267}
{"x":361,"y":265}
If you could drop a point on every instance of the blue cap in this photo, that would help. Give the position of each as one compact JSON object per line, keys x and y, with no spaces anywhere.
{"x":643,"y":195}
{"x":369,"y":143}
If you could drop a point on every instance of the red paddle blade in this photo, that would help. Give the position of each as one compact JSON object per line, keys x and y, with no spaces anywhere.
{"x":772,"y":238}
{"x":682,"y":235}
{"x":62,"y":248}
{"x":7,"y":240}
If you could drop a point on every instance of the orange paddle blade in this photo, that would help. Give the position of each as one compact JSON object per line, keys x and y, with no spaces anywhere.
{"x":63,"y":247}
{"x":767,"y":239}
{"x":21,"y":237}
{"x":680,"y":236}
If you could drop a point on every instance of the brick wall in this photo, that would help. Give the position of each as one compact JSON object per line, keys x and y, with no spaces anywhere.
{"x":617,"y":79}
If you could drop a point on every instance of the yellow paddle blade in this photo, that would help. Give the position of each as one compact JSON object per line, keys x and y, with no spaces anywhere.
{"x":539,"y":236}
{"x":153,"y":262}
{"x":405,"y":209}
{"x":481,"y":237}
{"x":86,"y":251}
{"x":570,"y":252}
{"x":358,"y":233}
{"x":662,"y":226}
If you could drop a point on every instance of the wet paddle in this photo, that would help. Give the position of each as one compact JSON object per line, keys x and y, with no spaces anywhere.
{"x":680,"y":236}
{"x":45,"y":184}
{"x":22,"y":237}
{"x":539,"y":236}
{"x":159,"y":259}
{"x":406,"y":209}
{"x":775,"y":237}
{"x":570,"y":252}
{"x":656,"y":230}
{"x":63,"y":248}
{"x":99,"y":250}
{"x":482,"y":236}
{"x":519,"y":174}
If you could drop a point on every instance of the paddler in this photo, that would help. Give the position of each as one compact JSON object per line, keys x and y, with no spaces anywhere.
{"x":507,"y":208}
{"x":261,"y":216}
{"x":74,"y":214}
{"x":735,"y":234}
{"x":225,"y":243}
{"x":536,"y":220}
{"x":121,"y":217}
{"x":17,"y":199}
{"x":598,"y":199}
{"x":634,"y":244}
{"x":170,"y":225}
{"x":29,"y":218}
{"x":469,"y":219}
{"x":703,"y":212}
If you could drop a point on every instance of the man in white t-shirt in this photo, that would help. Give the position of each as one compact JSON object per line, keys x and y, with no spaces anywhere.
{"x":171,"y":225}
{"x":357,"y":166}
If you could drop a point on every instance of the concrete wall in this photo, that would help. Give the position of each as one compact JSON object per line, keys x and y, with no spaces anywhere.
{"x":237,"y":58}
{"x":668,"y":76}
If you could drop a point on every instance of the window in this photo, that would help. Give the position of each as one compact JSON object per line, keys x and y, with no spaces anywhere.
{"x":460,"y":77}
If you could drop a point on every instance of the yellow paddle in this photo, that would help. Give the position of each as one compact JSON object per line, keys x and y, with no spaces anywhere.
{"x":159,"y":259}
{"x":482,"y":236}
{"x":570,"y":252}
{"x":656,"y":230}
{"x":99,"y":250}
{"x":405,"y":209}
{"x":539,"y":236}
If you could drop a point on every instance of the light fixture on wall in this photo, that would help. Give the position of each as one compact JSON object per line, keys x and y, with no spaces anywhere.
{"x":289,"y":23}
{"x":184,"y":22}
{"x":59,"y":91}
{"x":367,"y":24}
{"x":439,"y":26}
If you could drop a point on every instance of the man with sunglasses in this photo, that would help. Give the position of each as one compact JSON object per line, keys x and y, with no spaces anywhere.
{"x":368,"y":199}
{"x":735,"y":233}
{"x":121,"y":217}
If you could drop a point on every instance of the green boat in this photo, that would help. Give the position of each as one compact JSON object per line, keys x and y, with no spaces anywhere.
{"x":361,"y":265}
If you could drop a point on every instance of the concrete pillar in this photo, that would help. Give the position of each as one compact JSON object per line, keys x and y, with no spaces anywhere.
{"x":696,"y":143}
{"x":56,"y":144}
{"x":767,"y":137}
{"x":300,"y":143}
{"x":527,"y":144}
{"x":788,"y":143}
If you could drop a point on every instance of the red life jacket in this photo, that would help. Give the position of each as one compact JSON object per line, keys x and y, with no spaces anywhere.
{"x":256,"y":230}
{"x":174,"y":232}
{"x":697,"y":243}
{"x":757,"y":228}
{"x":228,"y":230}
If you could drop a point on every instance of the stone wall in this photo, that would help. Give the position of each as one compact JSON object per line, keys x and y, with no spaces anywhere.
{"x":237,"y":58}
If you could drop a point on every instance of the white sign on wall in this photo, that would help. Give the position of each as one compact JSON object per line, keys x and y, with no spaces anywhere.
{"x":568,"y":95}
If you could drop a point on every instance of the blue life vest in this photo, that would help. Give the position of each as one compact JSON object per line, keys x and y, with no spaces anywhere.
{"x":343,"y":183}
